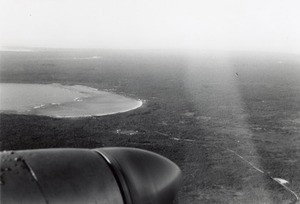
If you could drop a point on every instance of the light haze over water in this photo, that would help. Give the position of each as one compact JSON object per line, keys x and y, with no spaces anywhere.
{"x":245,"y":25}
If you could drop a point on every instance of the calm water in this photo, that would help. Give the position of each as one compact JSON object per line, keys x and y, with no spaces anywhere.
{"x":56,"y":100}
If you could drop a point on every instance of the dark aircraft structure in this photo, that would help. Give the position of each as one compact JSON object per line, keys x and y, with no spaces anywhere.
{"x":103,"y":176}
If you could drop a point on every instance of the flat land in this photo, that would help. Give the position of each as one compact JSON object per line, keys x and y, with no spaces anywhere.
{"x":231,"y":121}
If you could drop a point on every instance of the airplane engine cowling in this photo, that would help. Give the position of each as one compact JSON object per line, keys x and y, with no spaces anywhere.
{"x":103,"y":175}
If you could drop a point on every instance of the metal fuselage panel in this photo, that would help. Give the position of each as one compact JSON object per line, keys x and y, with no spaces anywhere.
{"x":57,"y":176}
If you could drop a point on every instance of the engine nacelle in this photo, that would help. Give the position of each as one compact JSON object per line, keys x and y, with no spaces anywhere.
{"x":104,"y":175}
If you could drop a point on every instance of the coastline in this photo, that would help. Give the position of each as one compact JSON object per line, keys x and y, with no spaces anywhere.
{"x":88,"y":97}
{"x":99,"y":115}
{"x":180,"y":119}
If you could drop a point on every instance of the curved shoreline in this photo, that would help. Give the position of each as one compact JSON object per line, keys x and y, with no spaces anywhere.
{"x":71,"y":101}
{"x":99,"y":115}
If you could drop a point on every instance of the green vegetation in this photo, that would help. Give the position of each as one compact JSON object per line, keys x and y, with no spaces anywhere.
{"x":197,"y":112}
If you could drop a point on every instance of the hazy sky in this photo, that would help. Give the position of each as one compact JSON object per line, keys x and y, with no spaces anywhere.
{"x":263,"y":25}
